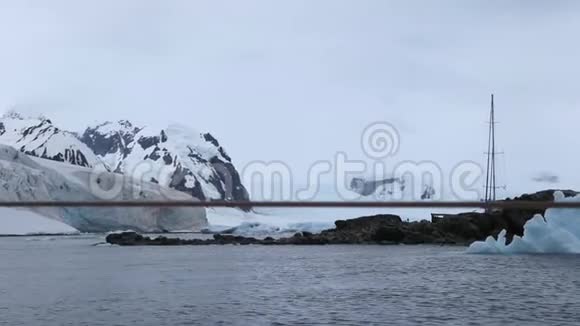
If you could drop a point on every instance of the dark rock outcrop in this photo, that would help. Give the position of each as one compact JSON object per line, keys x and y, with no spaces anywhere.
{"x":379,"y":229}
{"x":130,"y":238}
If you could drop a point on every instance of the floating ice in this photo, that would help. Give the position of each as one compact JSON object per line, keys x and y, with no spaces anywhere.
{"x":557,"y":232}
{"x":257,"y":229}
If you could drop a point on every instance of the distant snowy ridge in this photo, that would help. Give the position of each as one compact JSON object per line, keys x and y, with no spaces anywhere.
{"x":176,"y":157}
{"x":40,"y":138}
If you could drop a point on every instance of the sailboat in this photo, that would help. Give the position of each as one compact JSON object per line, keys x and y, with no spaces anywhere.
{"x":490,"y":177}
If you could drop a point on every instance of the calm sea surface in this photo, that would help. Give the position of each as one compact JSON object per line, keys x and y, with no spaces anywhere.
{"x":69,"y":281}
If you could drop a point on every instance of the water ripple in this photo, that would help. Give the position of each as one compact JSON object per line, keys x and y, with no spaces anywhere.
{"x":74,"y":283}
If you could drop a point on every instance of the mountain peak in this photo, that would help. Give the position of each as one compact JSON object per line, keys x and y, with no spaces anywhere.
{"x":125,"y":123}
{"x":115,"y":127}
{"x":177,"y":156}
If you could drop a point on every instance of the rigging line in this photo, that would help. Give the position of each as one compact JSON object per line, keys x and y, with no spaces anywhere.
{"x":487,"y":180}
{"x":493,"y":147}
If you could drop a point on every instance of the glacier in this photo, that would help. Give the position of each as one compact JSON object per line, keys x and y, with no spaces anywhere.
{"x":23,"y":177}
{"x":15,"y":221}
{"x":557,"y":232}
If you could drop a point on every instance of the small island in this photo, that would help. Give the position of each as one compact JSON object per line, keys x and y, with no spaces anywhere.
{"x":457,"y":229}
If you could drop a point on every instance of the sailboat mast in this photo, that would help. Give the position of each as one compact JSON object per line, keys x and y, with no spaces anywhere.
{"x":493,"y":183}
{"x":490,"y":179}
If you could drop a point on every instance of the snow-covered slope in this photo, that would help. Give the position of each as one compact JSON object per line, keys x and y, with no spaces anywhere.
{"x":39,"y":137}
{"x":175,"y":157}
{"x":26,"y":178}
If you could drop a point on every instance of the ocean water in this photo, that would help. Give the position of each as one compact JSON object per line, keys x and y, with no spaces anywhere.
{"x":69,"y":281}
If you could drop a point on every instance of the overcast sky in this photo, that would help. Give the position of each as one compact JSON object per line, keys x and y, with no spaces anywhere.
{"x":298,"y":80}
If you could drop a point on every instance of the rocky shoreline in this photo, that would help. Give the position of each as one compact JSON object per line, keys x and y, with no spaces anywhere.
{"x":459,"y":229}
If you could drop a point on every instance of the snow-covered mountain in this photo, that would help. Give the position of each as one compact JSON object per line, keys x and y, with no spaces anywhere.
{"x":175,"y":157}
{"x":40,"y":138}
{"x":27,"y":178}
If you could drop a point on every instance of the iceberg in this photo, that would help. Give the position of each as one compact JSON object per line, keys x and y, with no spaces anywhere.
{"x":557,"y":232}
